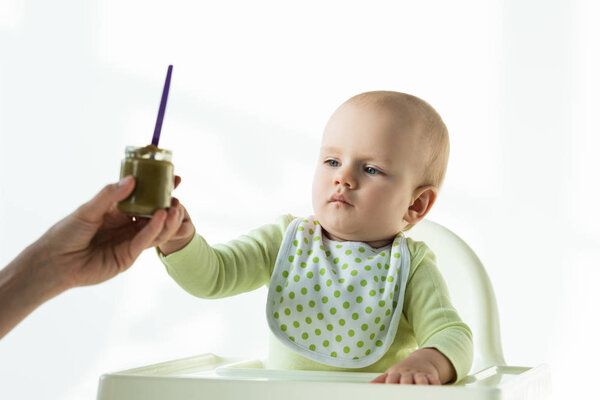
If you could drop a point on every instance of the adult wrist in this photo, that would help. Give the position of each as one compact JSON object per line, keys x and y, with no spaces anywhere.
{"x":26,"y":283}
{"x":45,"y":276}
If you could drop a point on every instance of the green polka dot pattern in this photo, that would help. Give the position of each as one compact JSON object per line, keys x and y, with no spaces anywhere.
{"x":335,"y":299}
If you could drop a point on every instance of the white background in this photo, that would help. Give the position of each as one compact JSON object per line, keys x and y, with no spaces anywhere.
{"x":253,"y":85}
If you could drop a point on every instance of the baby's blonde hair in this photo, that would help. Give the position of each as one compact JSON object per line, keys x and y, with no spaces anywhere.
{"x":433,"y":131}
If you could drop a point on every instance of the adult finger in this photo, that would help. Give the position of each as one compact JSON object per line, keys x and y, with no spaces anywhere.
{"x":177,"y":181}
{"x":100,"y":204}
{"x":145,"y":237}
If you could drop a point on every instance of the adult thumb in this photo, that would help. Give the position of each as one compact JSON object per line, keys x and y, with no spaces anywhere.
{"x":100,"y":204}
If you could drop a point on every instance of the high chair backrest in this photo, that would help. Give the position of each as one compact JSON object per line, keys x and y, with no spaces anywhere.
{"x":470,"y":290}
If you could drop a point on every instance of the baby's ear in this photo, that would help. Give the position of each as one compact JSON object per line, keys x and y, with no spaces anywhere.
{"x":423,"y":199}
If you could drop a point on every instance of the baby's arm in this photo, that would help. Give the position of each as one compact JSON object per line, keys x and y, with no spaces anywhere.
{"x":222,"y":270}
{"x":423,"y":367}
{"x":445,"y":342}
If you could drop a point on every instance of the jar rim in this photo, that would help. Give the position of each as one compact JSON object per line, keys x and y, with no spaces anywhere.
{"x":131,"y":149}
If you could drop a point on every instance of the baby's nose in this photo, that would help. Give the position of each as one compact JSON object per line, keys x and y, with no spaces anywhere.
{"x":346,"y":178}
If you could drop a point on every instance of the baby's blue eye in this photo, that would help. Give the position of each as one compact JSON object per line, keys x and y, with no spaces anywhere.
{"x":371,"y":171}
{"x":333,"y":163}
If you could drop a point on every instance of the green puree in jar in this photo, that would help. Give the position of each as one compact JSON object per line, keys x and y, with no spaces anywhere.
{"x":154,"y":179}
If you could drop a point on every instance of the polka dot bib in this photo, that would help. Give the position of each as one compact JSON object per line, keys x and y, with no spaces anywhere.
{"x":337,"y":303}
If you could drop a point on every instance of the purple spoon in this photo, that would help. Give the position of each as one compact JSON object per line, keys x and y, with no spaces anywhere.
{"x":161,"y":109}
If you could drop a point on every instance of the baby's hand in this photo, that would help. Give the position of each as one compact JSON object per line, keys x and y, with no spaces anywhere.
{"x":423,"y":367}
{"x":178,"y":230}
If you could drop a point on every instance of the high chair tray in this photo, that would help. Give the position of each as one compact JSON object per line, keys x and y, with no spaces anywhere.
{"x":209,"y":376}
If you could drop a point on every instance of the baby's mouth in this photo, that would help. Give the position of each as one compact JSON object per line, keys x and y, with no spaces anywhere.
{"x":339,"y":199}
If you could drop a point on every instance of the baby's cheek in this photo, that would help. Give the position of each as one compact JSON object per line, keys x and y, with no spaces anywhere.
{"x":318,"y":194}
{"x":387,"y":220}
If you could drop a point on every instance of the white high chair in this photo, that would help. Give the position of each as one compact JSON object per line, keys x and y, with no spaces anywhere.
{"x":212,"y":377}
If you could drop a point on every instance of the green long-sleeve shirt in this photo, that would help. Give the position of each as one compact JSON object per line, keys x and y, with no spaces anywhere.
{"x":245,"y":264}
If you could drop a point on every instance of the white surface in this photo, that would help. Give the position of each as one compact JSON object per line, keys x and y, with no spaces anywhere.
{"x":517,"y":83}
{"x":209,"y":376}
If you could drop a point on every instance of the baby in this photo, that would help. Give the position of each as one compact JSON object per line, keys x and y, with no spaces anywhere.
{"x":347,"y":289}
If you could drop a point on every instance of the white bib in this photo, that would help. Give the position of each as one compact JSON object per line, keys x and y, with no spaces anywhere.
{"x":337,"y":303}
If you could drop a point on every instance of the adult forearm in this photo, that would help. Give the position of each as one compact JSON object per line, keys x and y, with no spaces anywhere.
{"x":26,"y":283}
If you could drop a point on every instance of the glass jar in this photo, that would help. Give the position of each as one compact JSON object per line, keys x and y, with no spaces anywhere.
{"x":154,"y":179}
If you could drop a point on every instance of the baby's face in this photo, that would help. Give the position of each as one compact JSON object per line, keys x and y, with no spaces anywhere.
{"x":367,"y":172}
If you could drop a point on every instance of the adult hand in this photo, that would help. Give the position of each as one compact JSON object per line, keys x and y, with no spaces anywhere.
{"x":96,"y":242}
{"x":89,"y":246}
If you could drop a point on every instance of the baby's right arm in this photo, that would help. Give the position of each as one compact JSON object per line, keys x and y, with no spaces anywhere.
{"x":224,"y":270}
